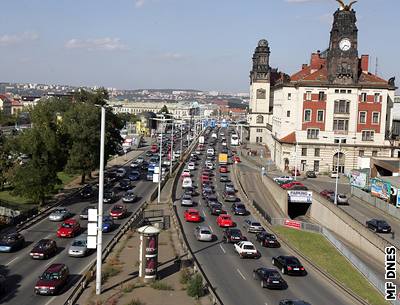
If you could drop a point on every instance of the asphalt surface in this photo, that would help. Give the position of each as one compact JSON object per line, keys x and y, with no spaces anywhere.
{"x":233,"y":277}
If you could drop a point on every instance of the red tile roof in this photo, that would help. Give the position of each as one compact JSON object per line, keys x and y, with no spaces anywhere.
{"x":290,"y":138}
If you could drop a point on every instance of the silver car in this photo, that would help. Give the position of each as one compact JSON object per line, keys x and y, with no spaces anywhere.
{"x":203,"y":233}
{"x":60,"y":214}
{"x":342,"y":199}
{"x":78,"y":247}
{"x":252,"y":226}
{"x":186,"y":200}
{"x":129,"y":197}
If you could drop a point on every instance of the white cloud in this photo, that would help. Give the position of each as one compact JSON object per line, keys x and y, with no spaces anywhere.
{"x":106,"y":43}
{"x":13,"y":39}
{"x":139,"y":3}
{"x":172,"y":56}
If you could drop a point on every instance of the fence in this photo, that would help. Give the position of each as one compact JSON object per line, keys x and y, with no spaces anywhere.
{"x":301,"y":225}
{"x":262,"y":211}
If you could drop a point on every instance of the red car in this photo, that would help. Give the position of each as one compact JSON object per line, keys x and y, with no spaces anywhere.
{"x":223,"y":169}
{"x":224,"y":220}
{"x":291,"y":184}
{"x":327,"y":193}
{"x":69,"y":228}
{"x":192,"y":215}
{"x":154,"y":148}
{"x":205,"y":178}
{"x":236,"y":159}
{"x":118,"y":211}
{"x":52,"y":280}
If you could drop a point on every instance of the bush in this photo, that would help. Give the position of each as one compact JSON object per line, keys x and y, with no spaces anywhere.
{"x":195,"y":287}
{"x":110,"y":271}
{"x":136,"y":302}
{"x":131,"y":287}
{"x":161,"y":286}
{"x":185,"y":276}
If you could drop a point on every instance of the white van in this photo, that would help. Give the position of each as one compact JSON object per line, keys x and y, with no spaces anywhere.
{"x":187,"y":182}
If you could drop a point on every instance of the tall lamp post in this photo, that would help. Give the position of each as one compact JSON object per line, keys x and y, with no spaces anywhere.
{"x":295,"y":161}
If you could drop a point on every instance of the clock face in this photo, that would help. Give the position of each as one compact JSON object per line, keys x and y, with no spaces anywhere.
{"x":345,"y":44}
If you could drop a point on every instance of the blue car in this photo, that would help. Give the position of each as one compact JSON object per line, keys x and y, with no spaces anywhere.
{"x":134,"y":176}
{"x":108,"y":224}
{"x":239,"y":208}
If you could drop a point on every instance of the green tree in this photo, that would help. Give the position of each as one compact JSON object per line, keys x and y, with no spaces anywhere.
{"x":6,"y":162}
{"x":164,"y":109}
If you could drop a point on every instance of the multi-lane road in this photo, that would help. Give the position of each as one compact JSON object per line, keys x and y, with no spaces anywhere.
{"x":233,"y":277}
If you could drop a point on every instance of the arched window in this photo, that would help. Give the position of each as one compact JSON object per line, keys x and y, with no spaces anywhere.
{"x":261,"y":94}
{"x":259,"y":119}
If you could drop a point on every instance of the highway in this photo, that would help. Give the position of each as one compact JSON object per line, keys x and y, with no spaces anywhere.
{"x":232,"y":277}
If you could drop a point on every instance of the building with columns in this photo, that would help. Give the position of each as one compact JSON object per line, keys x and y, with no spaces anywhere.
{"x":329,"y":113}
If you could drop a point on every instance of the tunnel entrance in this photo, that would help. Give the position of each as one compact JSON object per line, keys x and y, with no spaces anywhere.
{"x":296,"y":209}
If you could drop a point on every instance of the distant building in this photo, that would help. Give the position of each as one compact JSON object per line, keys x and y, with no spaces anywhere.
{"x":5,"y":104}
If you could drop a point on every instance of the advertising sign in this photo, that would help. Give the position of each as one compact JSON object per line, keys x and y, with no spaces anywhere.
{"x":151,"y":244}
{"x":292,"y":224}
{"x":358,"y":179}
{"x":398,"y":199}
{"x":380,"y":189}
{"x":300,"y":196}
{"x":150,"y":267}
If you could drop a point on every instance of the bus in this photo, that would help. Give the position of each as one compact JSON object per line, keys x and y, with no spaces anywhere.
{"x":234,"y":140}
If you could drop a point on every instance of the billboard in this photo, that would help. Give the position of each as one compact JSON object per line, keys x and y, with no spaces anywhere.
{"x":300,"y":196}
{"x":358,"y":179}
{"x":380,"y":189}
{"x":292,"y":224}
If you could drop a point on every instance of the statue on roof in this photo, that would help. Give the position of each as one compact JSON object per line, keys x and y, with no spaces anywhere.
{"x":344,"y":7}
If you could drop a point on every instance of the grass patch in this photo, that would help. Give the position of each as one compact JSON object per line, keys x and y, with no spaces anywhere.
{"x":195,"y":287}
{"x":130,"y":287}
{"x":185,"y":276}
{"x":136,"y":302}
{"x":18,"y":201}
{"x":158,"y":285}
{"x":322,"y":253}
{"x":110,"y":271}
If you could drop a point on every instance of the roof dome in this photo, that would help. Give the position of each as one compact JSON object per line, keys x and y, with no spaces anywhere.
{"x":263,"y":43}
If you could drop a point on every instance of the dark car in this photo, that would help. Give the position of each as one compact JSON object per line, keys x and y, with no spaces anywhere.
{"x":11,"y":242}
{"x":44,"y":249}
{"x":109,"y":197}
{"x":149,"y":153}
{"x":293,"y":302}
{"x":311,"y":174}
{"x":134,"y":176}
{"x":267,"y":240}
{"x":144,"y":166}
{"x":125,"y":184}
{"x":87,"y":192}
{"x":229,"y":197}
{"x":108,"y":224}
{"x":216,"y":208}
{"x":207,"y":190}
{"x":85,"y":212}
{"x":298,"y":188}
{"x":289,"y":265}
{"x":233,"y":235}
{"x":211,"y":198}
{"x":189,"y":191}
{"x":378,"y":226}
{"x":239,"y":208}
{"x":269,"y":278}
{"x":111,"y":176}
{"x":224,"y":178}
{"x":52,"y":280}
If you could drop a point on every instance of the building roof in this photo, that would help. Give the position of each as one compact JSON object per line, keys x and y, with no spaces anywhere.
{"x":290,"y":138}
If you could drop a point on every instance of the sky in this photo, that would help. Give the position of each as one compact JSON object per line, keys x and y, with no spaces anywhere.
{"x":188,"y":44}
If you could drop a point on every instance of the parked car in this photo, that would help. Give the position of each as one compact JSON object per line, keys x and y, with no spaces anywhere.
{"x":118,"y":211}
{"x":69,"y":228}
{"x":192,"y":215}
{"x":239,"y":208}
{"x":85,"y":212}
{"x":79,"y":247}
{"x":44,"y":249}
{"x":293,"y":302}
{"x":129,"y":197}
{"x":311,"y":174}
{"x":232,"y":235}
{"x":246,"y":249}
{"x":252,"y":226}
{"x":87,"y":192}
{"x":108,"y":224}
{"x":186,"y":200}
{"x":134,"y":176}
{"x":289,"y":265}
{"x":283,"y":179}
{"x":269,"y":278}
{"x":334,"y":174}
{"x":378,"y":226}
{"x":203,"y":233}
{"x":225,"y":220}
{"x":11,"y":242}
{"x":60,"y":214}
{"x":53,"y":279}
{"x":267,"y":240}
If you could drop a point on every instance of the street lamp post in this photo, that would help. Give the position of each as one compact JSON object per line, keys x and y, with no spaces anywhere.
{"x":295,"y":161}
{"x":172,"y":149}
{"x":337,"y":172}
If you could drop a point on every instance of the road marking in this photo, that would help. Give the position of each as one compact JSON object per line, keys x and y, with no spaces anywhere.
{"x":222,"y":248}
{"x":49,"y":301}
{"x":51,"y":260}
{"x":240,"y":274}
{"x":211,"y":229}
{"x":11,"y":261}
{"x":204,"y":213}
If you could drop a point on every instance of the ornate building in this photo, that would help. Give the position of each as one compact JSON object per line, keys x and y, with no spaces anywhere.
{"x":330,"y":101}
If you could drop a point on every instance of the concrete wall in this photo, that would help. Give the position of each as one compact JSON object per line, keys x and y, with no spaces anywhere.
{"x":279,"y":194}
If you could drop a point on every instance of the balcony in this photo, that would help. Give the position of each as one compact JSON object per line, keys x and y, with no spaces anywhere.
{"x":341,"y":132}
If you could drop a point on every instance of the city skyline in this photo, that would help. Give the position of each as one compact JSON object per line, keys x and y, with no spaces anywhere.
{"x":176,"y":44}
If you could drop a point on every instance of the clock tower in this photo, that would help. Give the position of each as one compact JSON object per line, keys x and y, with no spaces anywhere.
{"x":342,"y":58}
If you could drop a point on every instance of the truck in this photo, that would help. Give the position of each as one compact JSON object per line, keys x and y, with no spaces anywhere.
{"x":201,"y":140}
{"x":223,"y":159}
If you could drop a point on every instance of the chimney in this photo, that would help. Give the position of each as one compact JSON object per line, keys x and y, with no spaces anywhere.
{"x":316,"y":61}
{"x":364,"y":63}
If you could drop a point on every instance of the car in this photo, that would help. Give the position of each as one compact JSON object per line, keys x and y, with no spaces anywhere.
{"x":189,"y":191}
{"x":109,"y":196}
{"x":187,"y":182}
{"x":108,"y":224}
{"x":225,"y":220}
{"x":224,"y":178}
{"x":3,"y":284}
{"x":378,"y":226}
{"x":134,"y":176}
{"x":118,"y":211}
{"x":205,"y":178}
{"x":111,"y":176}
{"x":209,"y":165}
{"x":298,"y":188}
{"x":210,"y":151}
{"x":267,"y":240}
{"x":85,"y":212}
{"x":140,"y":160}
{"x":291,"y":184}
{"x":223,"y":169}
{"x":289,"y":265}
{"x":186,"y":200}
{"x":203,"y":233}
{"x":334,"y":174}
{"x":233,"y":235}
{"x":197,"y":152}
{"x":121,"y":172}
{"x":252,"y":226}
{"x":341,"y":199}
{"x":210,"y":198}
{"x":230,"y":188}
{"x":246,"y":249}
{"x":207,"y":190}
{"x":185,"y":173}
{"x":269,"y":278}
{"x":79,"y":247}
{"x":135,"y":164}
{"x":129,"y":197}
{"x":69,"y":228}
{"x":311,"y":174}
{"x":53,"y":280}
{"x":44,"y":249}
{"x":283,"y":178}
{"x":192,"y":215}
{"x":149,"y":176}
{"x":144,"y":166}
{"x":11,"y":242}
{"x":293,"y":302}
{"x":236,"y":159}
{"x":60,"y":214}
{"x":229,"y":197}
{"x":149,"y":153}
{"x":191,"y":166}
{"x":327,"y":194}
{"x":293,"y":172}
{"x":87,"y":192}
{"x":125,"y":184}
{"x":239,"y":208}
{"x":216,"y":208}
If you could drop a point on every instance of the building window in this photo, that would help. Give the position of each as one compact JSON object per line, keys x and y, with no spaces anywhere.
{"x":340,"y":125}
{"x":362,"y":117}
{"x":376,"y":97}
{"x":317,"y":152}
{"x":368,"y":135}
{"x":342,"y":106}
{"x":375,"y":117}
{"x":320,"y":116}
{"x":316,"y":166}
{"x":336,"y":90}
{"x":288,"y":113}
{"x":312,"y":133}
{"x":348,"y":91}
{"x":289,"y":96}
{"x":342,"y":90}
{"x":374,"y":153}
{"x":361,"y":153}
{"x":321,"y":96}
{"x":363,"y":97}
{"x":307,"y":115}
{"x":304,"y":151}
{"x":308,"y":95}
{"x":259,"y":130}
{"x":260,"y":119}
{"x":303,"y":165}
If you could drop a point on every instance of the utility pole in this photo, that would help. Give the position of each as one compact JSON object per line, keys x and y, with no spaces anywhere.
{"x":172,"y":148}
{"x":295,"y":162}
{"x":337,"y":171}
